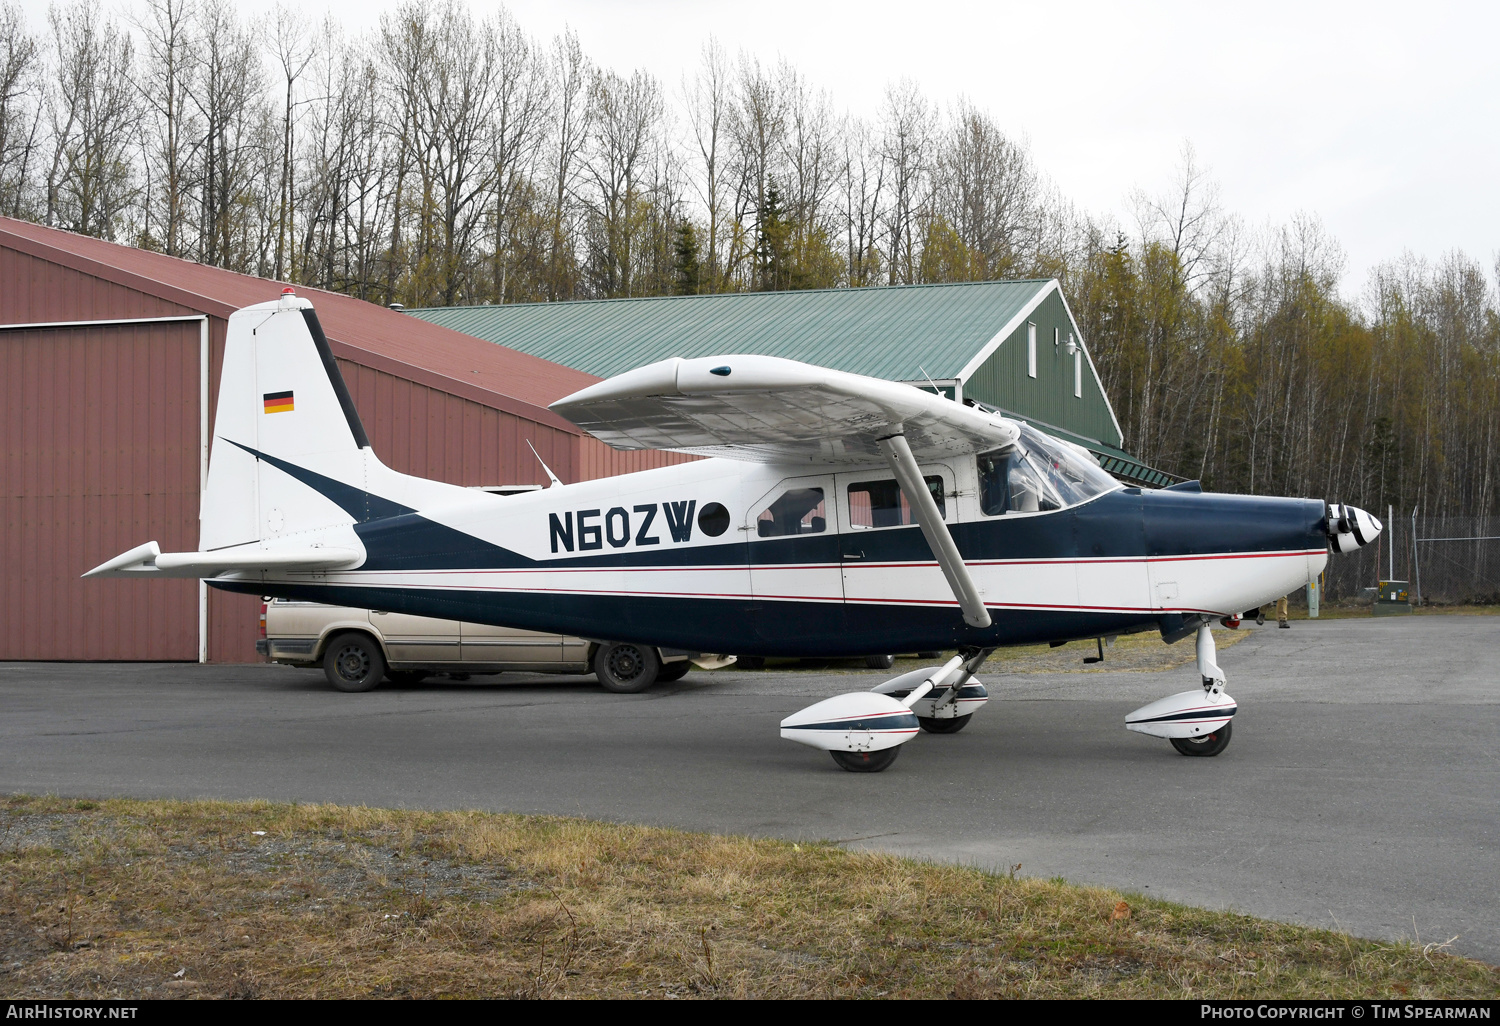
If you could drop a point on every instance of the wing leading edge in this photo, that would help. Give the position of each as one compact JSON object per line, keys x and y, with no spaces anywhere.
{"x":763,"y":409}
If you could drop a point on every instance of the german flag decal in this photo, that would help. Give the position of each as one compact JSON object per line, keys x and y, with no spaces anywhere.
{"x":278,"y":402}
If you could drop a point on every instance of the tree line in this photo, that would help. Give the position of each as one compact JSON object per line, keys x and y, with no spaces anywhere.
{"x":446,"y":158}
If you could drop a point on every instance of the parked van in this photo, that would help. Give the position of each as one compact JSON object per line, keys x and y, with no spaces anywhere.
{"x":359,"y":648}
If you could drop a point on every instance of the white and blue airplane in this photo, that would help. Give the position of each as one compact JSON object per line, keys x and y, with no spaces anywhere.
{"x":837,"y":515}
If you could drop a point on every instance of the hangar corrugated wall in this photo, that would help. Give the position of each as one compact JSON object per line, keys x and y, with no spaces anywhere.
{"x":102,"y":447}
{"x":98,"y":448}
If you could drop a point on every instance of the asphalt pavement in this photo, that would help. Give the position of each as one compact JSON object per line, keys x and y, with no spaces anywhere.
{"x":1360,"y":790}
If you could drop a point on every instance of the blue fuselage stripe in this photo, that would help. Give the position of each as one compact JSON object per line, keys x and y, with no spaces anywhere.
{"x":1119,"y":525}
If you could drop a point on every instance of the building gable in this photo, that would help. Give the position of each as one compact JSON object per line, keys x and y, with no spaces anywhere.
{"x":1065,"y":391}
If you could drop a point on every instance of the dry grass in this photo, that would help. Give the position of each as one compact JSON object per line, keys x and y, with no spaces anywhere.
{"x":153,"y":899}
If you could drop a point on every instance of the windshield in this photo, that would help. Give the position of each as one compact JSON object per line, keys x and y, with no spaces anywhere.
{"x":1038,"y":474}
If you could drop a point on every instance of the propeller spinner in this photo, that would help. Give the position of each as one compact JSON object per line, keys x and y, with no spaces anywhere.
{"x":1350,"y":527}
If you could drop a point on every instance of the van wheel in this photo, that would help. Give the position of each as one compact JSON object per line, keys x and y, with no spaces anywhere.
{"x":626,"y":668}
{"x":674,"y":671}
{"x":880,"y":662}
{"x":353,"y":662}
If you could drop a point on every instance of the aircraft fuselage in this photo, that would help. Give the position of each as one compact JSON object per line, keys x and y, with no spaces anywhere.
{"x":713,"y":556}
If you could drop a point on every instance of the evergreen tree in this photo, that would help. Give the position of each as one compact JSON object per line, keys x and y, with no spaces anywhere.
{"x":773,"y":263}
{"x":686,"y":265}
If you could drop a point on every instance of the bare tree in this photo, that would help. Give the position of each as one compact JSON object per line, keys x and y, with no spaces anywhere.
{"x":906,"y":147}
{"x":20,"y":109}
{"x":626,"y":114}
{"x":987,"y":192}
{"x":163,"y":90}
{"x":226,"y":86}
{"x":758,"y":124}
{"x":707,"y":99}
{"x":403,"y":52}
{"x":864,"y":197}
{"x":293,"y":52}
{"x":572,"y":75}
{"x":810,"y":154}
{"x":521,"y":100}
{"x":1187,"y":218}
{"x":338,"y":126}
{"x":94,"y":121}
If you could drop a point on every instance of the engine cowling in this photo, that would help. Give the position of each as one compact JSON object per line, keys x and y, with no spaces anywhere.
{"x":1350,"y":527}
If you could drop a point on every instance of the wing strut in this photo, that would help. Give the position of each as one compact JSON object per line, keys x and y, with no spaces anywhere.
{"x":909,"y":476}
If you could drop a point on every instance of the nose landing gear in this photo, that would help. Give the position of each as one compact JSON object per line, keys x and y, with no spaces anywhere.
{"x":1196,"y":722}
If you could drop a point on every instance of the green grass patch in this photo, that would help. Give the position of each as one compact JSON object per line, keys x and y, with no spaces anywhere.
{"x":121,"y":898}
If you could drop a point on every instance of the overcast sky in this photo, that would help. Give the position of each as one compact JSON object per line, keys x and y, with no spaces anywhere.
{"x":1382,"y":119}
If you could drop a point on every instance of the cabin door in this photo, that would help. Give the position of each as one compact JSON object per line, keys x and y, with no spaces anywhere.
{"x":795,"y":578}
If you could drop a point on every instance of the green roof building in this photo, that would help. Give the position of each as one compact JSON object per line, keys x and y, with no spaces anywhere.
{"x":1012,"y":345}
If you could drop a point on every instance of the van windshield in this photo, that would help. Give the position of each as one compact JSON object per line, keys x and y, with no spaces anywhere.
{"x":1038,"y":474}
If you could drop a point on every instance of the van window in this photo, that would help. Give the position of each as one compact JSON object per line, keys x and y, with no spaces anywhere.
{"x":795,"y":511}
{"x":881,"y":504}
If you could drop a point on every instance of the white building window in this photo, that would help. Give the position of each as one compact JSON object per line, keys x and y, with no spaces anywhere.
{"x":1031,"y":350}
{"x":1078,"y":373}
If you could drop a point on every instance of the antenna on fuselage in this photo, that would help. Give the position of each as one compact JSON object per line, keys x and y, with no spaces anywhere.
{"x":550,"y":476}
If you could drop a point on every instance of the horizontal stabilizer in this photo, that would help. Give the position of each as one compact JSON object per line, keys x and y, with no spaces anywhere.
{"x":149,"y":559}
{"x":764,"y":409}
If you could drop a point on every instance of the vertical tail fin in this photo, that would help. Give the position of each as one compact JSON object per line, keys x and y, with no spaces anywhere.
{"x":281,"y":400}
{"x":291,"y":470}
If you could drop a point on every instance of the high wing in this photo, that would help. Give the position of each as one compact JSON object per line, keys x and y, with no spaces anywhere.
{"x":768,"y":410}
{"x":764,"y":409}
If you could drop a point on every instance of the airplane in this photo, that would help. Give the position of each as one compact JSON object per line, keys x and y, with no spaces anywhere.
{"x":835,"y":515}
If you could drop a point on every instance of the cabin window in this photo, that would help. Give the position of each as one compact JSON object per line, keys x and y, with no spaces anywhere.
{"x":1031,"y":350}
{"x":795,"y":511}
{"x":881,"y":504}
{"x":1036,"y":475}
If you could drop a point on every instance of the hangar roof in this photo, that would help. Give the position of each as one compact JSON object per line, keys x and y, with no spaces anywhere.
{"x":895,"y":333}
{"x":948,"y":332}
{"x":366,"y":333}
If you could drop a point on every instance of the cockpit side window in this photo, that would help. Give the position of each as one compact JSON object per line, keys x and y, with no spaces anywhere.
{"x":1008,"y":483}
{"x":1038,"y":474}
{"x":795,"y":511}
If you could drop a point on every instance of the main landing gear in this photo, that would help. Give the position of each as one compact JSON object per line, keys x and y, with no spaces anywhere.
{"x":1196,"y":722}
{"x":1207,"y":744}
{"x":863,"y":731}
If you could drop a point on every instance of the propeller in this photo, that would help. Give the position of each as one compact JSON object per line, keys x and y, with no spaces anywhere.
{"x":1350,"y":527}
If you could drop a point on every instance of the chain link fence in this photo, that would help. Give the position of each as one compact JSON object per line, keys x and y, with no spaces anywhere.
{"x":1446,"y":560}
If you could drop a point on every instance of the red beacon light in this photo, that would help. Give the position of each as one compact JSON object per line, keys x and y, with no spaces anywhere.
{"x":288,"y":299}
{"x":288,"y":291}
